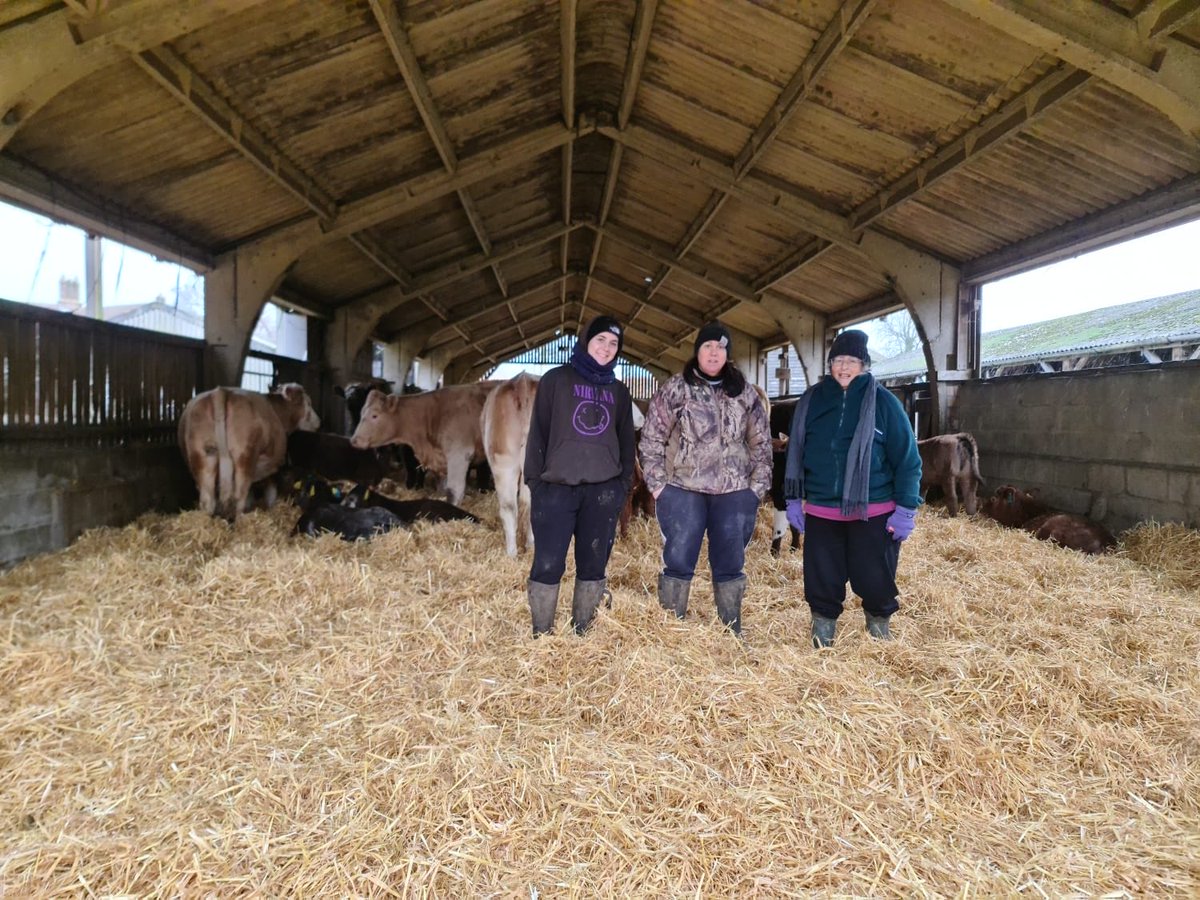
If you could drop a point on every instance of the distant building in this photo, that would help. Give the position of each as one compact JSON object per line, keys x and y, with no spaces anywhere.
{"x":1159,"y":330}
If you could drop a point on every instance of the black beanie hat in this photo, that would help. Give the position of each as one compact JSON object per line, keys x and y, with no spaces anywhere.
{"x":604,"y":323}
{"x":713,"y":331}
{"x":851,"y":343}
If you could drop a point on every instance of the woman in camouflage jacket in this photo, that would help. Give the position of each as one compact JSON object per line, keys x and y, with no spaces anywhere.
{"x":706,"y":457}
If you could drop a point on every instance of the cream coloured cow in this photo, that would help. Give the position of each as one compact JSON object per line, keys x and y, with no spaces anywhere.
{"x":232,"y":438}
{"x":441,"y":426}
{"x":505,"y":424}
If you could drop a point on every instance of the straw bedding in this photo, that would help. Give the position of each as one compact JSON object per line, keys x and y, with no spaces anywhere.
{"x":190,"y":709}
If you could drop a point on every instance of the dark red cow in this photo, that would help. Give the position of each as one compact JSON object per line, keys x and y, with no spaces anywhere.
{"x":1072,"y":531}
{"x":1013,"y":507}
{"x":639,"y":500}
{"x":1016,"y":508}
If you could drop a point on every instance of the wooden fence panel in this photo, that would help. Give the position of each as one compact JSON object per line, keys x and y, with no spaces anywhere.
{"x":69,"y":378}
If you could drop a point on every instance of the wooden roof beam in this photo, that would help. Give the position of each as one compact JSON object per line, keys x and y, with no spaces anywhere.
{"x":31,"y":188}
{"x":187,"y":86}
{"x":567,"y":26}
{"x":43,"y":55}
{"x":705,"y":167}
{"x":1010,"y":119}
{"x":1163,"y":72}
{"x":848,"y":18}
{"x":416,"y":192}
{"x":418,"y":88}
{"x":841,"y":28}
{"x":707,"y":274}
{"x":469,"y":265}
{"x":635,"y":63}
{"x":1160,"y":18}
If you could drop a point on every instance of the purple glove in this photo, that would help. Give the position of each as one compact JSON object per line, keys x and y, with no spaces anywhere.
{"x":795,"y":514}
{"x":900,"y":523}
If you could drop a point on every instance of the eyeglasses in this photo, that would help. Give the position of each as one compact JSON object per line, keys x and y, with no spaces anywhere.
{"x":846,"y":362}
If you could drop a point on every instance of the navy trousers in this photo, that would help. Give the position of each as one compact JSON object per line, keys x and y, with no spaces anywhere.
{"x":862,"y":553}
{"x":586,"y":512}
{"x":684,"y":517}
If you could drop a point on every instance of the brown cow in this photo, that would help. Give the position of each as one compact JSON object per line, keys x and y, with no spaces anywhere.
{"x":951,"y":461}
{"x":232,"y":438}
{"x":1016,"y":508}
{"x":441,"y":426}
{"x":505,"y":424}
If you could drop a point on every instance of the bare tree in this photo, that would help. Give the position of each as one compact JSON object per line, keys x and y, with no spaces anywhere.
{"x":898,"y":333}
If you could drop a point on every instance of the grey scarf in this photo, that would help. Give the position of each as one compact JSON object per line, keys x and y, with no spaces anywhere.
{"x":858,"y":461}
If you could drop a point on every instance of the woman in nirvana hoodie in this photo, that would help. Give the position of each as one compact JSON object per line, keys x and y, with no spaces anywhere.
{"x":579,"y":466}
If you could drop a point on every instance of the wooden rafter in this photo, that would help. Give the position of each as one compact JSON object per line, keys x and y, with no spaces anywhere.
{"x":708,"y":274}
{"x":187,"y":86}
{"x":567,"y":37}
{"x":418,"y":88}
{"x":466,"y":266}
{"x":1010,"y":119}
{"x":848,"y":18}
{"x":635,"y":62}
{"x":467,"y":313}
{"x":1161,"y":18}
{"x":1163,"y":72}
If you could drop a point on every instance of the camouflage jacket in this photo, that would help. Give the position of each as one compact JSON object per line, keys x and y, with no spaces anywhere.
{"x":701,"y":439}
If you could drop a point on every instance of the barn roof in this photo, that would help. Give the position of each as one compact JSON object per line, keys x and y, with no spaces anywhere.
{"x":492,"y":171}
{"x":1157,"y":322}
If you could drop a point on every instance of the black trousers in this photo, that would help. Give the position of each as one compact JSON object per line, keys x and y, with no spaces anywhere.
{"x":862,"y":553}
{"x":586,"y":512}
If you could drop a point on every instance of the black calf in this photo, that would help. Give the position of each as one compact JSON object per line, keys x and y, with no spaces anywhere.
{"x":407,"y":511}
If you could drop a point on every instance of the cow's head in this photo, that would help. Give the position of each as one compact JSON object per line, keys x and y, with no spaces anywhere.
{"x":300,"y":407}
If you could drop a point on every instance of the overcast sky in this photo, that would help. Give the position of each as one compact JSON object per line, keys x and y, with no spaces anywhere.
{"x":1167,"y":262}
{"x":37,"y":253}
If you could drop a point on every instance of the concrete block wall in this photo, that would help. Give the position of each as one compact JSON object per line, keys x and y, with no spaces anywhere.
{"x":1119,"y":445}
{"x":51,"y":495}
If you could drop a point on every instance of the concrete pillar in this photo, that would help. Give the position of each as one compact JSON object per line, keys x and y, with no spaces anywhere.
{"x":234,"y":295}
{"x":351,"y":328}
{"x":930,"y":290}
{"x":805,"y":330}
{"x":441,"y":364}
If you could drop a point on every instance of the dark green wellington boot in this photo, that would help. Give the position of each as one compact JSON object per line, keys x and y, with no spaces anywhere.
{"x":673,"y":594}
{"x":543,"y":599}
{"x":587,"y":597}
{"x":728,"y":595}
{"x":822,"y":631}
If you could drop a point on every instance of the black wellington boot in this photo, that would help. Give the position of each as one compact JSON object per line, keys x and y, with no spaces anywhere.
{"x":822,"y":631}
{"x":673,"y":594}
{"x":543,"y":599}
{"x":728,"y":595}
{"x":587,"y":597}
{"x":877,"y":627}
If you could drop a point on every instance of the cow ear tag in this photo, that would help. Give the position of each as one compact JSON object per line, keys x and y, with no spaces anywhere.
{"x":337,"y":493}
